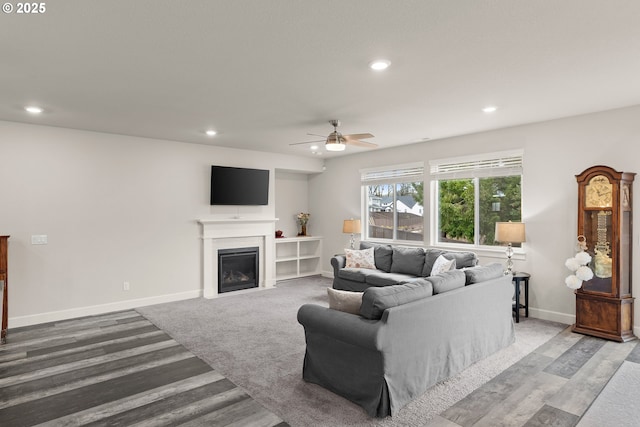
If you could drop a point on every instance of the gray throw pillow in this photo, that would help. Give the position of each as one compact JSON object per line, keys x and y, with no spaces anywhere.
{"x":447,"y":281}
{"x":483,"y":273}
{"x":381,"y":255}
{"x":376,"y":300}
{"x":407,"y":260}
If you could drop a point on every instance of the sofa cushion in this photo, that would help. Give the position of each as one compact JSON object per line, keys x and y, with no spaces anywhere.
{"x":346,"y":301}
{"x":442,"y":264}
{"x":381,"y":254}
{"x":376,"y":300}
{"x":447,"y":281}
{"x":463,"y":259}
{"x":360,"y":259}
{"x":407,"y":260}
{"x":386,"y":279}
{"x":483,"y":273}
{"x":356,"y":274}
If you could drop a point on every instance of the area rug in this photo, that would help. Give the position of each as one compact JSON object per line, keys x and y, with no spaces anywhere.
{"x":617,"y":404}
{"x":254,"y":339}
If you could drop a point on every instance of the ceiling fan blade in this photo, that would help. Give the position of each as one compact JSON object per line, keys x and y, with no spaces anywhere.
{"x":359,"y":143}
{"x":315,"y":134}
{"x":358,"y":136}
{"x":307,"y":142}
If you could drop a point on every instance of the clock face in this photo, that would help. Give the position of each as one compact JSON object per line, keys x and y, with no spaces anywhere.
{"x":599,"y":193}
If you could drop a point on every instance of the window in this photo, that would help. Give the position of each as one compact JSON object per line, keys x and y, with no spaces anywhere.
{"x":471,"y":194}
{"x":394,"y":202}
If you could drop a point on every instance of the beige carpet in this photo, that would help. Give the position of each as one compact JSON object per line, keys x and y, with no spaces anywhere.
{"x":254,"y":339}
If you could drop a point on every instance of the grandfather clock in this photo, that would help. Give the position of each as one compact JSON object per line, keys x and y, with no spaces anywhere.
{"x":604,"y":305}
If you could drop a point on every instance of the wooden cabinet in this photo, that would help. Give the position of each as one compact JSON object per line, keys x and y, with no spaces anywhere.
{"x":298,"y":257}
{"x":3,"y":286}
{"x":604,"y":304}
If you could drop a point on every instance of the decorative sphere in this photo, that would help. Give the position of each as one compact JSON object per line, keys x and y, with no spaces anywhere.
{"x":572,"y":264}
{"x":573,"y":282}
{"x":583,"y":258}
{"x":584,"y":273}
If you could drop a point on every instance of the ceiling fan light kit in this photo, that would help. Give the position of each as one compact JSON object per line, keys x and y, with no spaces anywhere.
{"x":338,"y":142}
{"x":334,"y":146}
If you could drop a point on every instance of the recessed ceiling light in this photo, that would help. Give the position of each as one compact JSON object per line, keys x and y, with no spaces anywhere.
{"x":379,"y":64}
{"x":33,"y":109}
{"x":489,"y":109}
{"x":211,"y":132}
{"x":313,"y":147}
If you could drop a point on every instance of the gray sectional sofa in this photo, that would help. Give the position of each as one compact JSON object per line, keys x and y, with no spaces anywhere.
{"x":394,"y":264}
{"x":406,"y":336}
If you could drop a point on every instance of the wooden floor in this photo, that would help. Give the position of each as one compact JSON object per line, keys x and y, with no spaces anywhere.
{"x":552,"y":386}
{"x":119,"y":369}
{"x":112,"y":370}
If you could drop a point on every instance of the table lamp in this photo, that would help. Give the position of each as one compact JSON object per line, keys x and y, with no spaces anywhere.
{"x":351,"y":226}
{"x":510,"y":232}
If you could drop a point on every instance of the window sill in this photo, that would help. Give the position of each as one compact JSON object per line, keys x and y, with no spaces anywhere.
{"x":497,"y":252}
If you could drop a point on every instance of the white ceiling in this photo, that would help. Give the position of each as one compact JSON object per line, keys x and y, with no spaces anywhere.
{"x":264,"y":73}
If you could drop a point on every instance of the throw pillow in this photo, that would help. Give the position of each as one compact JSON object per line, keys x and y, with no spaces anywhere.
{"x":360,"y":259}
{"x":346,"y":301}
{"x":442,"y":264}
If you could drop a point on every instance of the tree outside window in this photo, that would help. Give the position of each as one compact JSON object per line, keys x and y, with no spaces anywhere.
{"x":469,"y":208}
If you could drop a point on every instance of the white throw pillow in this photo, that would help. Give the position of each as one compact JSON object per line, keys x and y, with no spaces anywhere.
{"x":346,"y":301}
{"x":442,"y":264}
{"x":360,"y":259}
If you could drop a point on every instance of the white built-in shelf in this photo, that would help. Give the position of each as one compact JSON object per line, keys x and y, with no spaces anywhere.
{"x":298,"y":257}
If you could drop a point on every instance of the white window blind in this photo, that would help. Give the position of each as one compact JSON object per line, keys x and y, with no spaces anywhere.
{"x":398,"y":173}
{"x":506,"y":163}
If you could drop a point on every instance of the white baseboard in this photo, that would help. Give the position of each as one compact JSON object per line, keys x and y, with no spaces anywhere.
{"x":54,"y":316}
{"x":553,"y":316}
{"x":325,"y":273}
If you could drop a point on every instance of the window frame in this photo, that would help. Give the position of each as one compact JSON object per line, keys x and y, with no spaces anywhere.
{"x":392,"y":175}
{"x":474,"y":167}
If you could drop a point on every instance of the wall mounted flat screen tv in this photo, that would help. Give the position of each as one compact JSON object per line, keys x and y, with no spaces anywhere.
{"x":239,"y":186}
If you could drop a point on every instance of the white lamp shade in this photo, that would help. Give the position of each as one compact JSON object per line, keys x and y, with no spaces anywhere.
{"x":510,"y":232}
{"x":351,"y":226}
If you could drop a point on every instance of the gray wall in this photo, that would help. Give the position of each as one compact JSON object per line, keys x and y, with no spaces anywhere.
{"x":115,"y":209}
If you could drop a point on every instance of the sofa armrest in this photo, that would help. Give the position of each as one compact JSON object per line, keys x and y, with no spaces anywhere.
{"x":338,"y":262}
{"x":337,"y":325}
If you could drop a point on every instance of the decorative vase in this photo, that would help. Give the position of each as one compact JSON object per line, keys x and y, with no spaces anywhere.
{"x":303,"y":230}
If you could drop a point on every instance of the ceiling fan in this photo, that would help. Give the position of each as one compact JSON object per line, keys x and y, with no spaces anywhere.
{"x":338,"y":142}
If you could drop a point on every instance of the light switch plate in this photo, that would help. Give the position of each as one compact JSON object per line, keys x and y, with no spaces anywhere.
{"x":39,"y":239}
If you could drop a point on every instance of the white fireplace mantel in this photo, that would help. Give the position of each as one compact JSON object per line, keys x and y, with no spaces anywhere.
{"x":227,"y":233}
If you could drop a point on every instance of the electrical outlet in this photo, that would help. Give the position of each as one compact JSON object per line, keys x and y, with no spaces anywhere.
{"x":125,"y":286}
{"x":39,"y":239}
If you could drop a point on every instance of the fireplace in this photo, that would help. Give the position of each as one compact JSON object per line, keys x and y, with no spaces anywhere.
{"x":238,"y":269}
{"x":228,"y":233}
